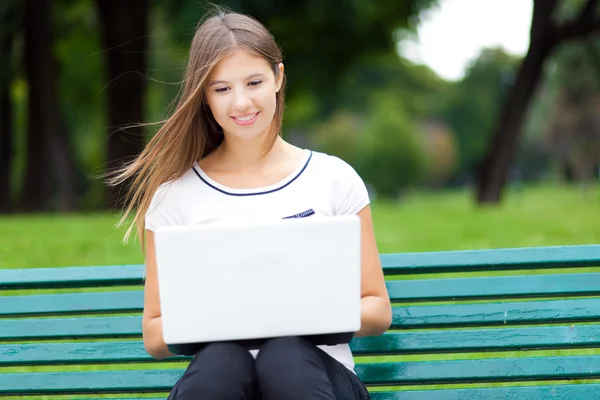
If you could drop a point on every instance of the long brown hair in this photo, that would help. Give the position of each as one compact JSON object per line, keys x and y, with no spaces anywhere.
{"x":191,"y":132}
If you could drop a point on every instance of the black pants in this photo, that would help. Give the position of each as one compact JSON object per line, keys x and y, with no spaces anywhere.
{"x":287,"y":368}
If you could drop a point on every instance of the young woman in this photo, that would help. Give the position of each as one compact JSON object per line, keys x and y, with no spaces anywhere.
{"x":220,"y":156}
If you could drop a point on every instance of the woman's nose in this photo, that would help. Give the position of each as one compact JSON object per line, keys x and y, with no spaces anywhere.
{"x":242,"y":101}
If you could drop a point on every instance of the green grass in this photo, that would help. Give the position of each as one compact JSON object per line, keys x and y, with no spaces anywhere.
{"x":535,"y":216}
{"x":539,"y":216}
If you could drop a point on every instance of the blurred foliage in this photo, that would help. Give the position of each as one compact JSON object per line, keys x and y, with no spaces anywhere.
{"x":417,"y":86}
{"x":383,"y":144}
{"x":349,"y":92}
{"x":571,"y":133}
{"x":336,"y":37}
{"x":452,"y":120}
{"x":340,"y":135}
{"x":441,"y":152}
{"x":78,"y":51}
{"x":392,"y":157}
{"x":319,"y":39}
{"x":472,"y":106}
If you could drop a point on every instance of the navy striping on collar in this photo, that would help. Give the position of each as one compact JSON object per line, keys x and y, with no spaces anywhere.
{"x":255,"y":193}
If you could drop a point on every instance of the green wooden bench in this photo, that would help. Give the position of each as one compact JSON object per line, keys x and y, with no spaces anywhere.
{"x":494,"y":324}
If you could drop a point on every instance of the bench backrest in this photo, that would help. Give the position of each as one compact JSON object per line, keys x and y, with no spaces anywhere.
{"x":462,"y":319}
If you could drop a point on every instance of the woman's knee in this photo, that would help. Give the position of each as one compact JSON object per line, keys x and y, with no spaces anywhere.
{"x":292,"y":367}
{"x":224,"y":354}
{"x":219,"y":370}
{"x":285,"y":350}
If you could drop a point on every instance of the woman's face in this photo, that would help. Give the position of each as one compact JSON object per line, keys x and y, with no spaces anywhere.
{"x":241,"y":93}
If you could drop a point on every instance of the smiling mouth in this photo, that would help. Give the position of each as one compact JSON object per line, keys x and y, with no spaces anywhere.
{"x":246,"y":119}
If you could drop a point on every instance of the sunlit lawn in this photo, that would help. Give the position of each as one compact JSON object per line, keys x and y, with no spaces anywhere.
{"x":421,"y":222}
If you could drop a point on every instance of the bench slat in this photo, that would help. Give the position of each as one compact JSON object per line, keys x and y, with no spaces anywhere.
{"x":482,"y":370}
{"x":65,"y":328}
{"x":88,"y":382}
{"x":554,"y":392}
{"x":495,"y":259}
{"x":400,"y":290}
{"x":495,"y":287}
{"x":475,"y":340}
{"x":91,"y":302}
{"x":509,"y":313}
{"x":398,"y":263}
{"x":67,"y":353}
{"x":118,"y":275}
{"x":405,"y":373}
{"x":501,"y":313}
{"x":391,"y":343}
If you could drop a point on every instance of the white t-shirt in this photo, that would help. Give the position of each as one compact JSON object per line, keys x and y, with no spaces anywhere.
{"x":321,"y":185}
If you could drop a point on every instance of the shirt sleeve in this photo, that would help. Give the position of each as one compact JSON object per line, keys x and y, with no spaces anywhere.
{"x":350,"y":192}
{"x":163,"y":209}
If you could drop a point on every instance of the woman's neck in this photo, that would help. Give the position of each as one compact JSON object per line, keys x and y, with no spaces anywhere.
{"x":247,"y":155}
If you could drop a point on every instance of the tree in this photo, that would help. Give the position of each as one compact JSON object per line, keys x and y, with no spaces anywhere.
{"x":320,"y":40}
{"x":472,"y":105}
{"x":417,"y":86}
{"x":334,"y":35}
{"x":545,"y":35}
{"x":391,"y":156}
{"x":10,"y":21}
{"x":50,"y":170}
{"x":82,"y":90}
{"x":572,"y":133}
{"x":125,"y":39}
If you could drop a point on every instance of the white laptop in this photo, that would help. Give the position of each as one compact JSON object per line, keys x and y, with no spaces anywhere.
{"x":249,"y":281}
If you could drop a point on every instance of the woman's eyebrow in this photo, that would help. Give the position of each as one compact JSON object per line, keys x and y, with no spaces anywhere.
{"x":225,"y":82}
{"x":255,"y":76}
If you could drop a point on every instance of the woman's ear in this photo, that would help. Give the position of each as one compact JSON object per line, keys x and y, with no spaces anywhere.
{"x":279,"y":79}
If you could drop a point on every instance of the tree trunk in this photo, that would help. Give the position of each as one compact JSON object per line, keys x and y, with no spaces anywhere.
{"x":124,"y":37}
{"x":6,"y":143}
{"x":50,"y":168}
{"x":6,"y":131}
{"x":497,"y":162}
{"x":37,"y":187}
{"x":10,"y":22}
{"x":545,"y":36}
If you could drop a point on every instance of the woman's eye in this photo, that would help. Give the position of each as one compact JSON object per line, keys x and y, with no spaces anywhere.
{"x":255,"y":83}
{"x":221,"y":90}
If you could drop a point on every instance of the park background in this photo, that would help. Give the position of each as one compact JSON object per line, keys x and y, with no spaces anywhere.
{"x":502,"y":153}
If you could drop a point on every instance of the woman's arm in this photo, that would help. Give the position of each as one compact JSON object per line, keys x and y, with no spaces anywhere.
{"x":151,"y":320}
{"x":376,"y":310}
